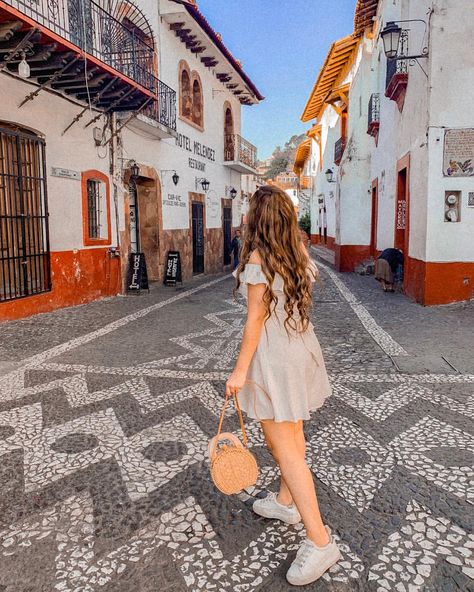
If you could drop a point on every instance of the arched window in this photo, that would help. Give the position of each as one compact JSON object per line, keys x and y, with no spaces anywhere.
{"x":191,"y":105}
{"x":185,"y":94}
{"x":197,"y":103}
{"x":228,"y":133}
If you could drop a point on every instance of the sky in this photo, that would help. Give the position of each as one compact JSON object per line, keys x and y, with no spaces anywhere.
{"x":282,"y":45}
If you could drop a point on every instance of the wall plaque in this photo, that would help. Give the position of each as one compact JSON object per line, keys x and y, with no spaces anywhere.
{"x":458,"y":160}
{"x":65,"y":173}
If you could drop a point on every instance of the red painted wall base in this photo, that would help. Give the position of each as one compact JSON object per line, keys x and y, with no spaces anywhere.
{"x":77,"y":277}
{"x":316,"y":240}
{"x":348,"y":256}
{"x":439,"y":283}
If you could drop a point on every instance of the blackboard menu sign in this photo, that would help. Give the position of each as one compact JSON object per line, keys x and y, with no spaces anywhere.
{"x":173,"y":269}
{"x":137,"y":276}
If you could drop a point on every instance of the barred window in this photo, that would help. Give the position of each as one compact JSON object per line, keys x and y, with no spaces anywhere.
{"x":96,"y":204}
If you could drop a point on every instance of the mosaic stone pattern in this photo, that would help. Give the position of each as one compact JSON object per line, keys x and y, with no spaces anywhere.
{"x":104,"y":480}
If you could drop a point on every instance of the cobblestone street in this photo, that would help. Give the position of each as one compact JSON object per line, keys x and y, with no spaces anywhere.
{"x":105,"y":415}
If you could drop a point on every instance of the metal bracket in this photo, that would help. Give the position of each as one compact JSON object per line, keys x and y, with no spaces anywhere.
{"x":53,"y":78}
{"x":14,"y":52}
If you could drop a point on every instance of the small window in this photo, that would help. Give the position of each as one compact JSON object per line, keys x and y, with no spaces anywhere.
{"x":186,"y":99}
{"x":197,"y":103}
{"x":96,"y":209}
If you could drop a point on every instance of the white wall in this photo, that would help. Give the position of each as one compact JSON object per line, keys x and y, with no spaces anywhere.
{"x":354,"y":171}
{"x":451,"y":107}
{"x":432,"y":103}
{"x":171,"y":154}
{"x":49,"y":114}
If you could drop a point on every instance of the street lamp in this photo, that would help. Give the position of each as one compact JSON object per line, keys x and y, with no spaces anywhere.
{"x":204,"y":184}
{"x":391,"y":36}
{"x":233,"y":193}
{"x":134,"y":170}
{"x":391,"y":39}
{"x":330,"y":176}
{"x":175,"y":175}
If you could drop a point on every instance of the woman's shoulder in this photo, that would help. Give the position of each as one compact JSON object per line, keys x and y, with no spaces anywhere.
{"x":255,"y":258}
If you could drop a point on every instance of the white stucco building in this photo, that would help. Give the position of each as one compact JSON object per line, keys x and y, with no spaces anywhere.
{"x":119,"y":140}
{"x":406,"y":174}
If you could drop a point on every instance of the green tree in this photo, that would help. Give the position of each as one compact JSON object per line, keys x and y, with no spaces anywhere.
{"x":305,"y":223}
{"x":282,"y":159}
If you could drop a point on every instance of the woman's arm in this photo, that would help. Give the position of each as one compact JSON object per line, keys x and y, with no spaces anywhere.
{"x":253,"y":327}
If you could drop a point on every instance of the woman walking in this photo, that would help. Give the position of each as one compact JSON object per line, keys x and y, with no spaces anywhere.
{"x":280,"y":374}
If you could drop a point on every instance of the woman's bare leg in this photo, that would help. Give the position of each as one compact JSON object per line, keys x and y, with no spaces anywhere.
{"x":284,"y":439}
{"x":284,"y":495}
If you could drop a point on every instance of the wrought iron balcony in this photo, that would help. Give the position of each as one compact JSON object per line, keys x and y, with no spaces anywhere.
{"x":79,"y":48}
{"x":339,"y":148}
{"x":163,"y":111}
{"x":397,"y":74}
{"x":374,"y":115}
{"x":90,"y":27}
{"x":240,"y":154}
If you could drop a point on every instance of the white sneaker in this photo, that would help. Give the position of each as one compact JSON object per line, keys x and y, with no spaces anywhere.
{"x":312,"y":562}
{"x":269,"y":507}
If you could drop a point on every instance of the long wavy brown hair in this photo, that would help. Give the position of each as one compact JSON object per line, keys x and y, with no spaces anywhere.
{"x":272,"y":230}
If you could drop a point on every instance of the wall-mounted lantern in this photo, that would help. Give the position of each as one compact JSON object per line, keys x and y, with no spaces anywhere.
{"x":23,"y":66}
{"x":134,"y":170}
{"x":233,"y":193}
{"x":391,"y":35}
{"x":391,"y":39}
{"x":330,"y":176}
{"x":175,"y":176}
{"x":205,"y":184}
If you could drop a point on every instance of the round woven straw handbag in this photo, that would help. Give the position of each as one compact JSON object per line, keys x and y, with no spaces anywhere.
{"x":233,"y":466}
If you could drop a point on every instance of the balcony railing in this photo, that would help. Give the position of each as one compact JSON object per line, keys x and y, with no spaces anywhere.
{"x":90,"y":27}
{"x":339,"y":148}
{"x":395,"y":67}
{"x":374,"y":115}
{"x":238,"y":150}
{"x":397,"y":74}
{"x":374,"y":109}
{"x":164,"y":109}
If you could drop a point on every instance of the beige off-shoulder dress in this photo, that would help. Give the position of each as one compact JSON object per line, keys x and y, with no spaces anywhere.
{"x":287,"y":378}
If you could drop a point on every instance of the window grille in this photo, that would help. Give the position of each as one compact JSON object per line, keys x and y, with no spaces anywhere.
{"x":24,"y":234}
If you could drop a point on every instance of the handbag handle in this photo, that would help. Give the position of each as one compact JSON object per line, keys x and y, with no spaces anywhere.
{"x":241,"y":419}
{"x":212,"y":446}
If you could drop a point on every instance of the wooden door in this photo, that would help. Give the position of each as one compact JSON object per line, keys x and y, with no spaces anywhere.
{"x":227,"y":230}
{"x":198,"y":237}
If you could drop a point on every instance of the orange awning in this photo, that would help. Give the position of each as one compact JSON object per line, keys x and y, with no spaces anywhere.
{"x":302,"y":155}
{"x":339,"y":56}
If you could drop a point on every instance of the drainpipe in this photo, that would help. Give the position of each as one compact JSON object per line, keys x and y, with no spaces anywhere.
{"x":114,"y":252}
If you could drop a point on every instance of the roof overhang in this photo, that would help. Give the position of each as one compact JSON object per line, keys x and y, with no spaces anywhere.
{"x":302,"y":154}
{"x":340,"y":56}
{"x":315,"y":132}
{"x":207,"y":44}
{"x":364,"y":15}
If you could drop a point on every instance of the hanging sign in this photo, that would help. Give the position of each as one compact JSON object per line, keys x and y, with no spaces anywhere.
{"x":173,"y":269}
{"x":137,"y":276}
